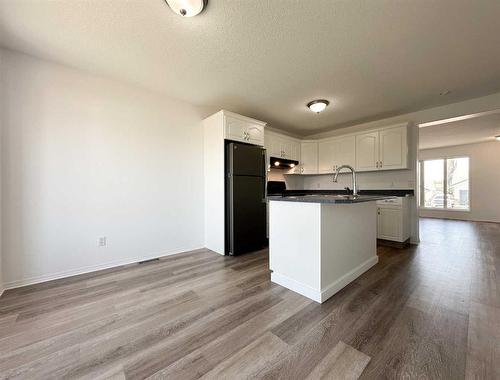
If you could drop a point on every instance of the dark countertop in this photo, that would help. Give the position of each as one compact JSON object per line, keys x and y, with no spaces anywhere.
{"x":391,"y":192}
{"x":328,"y":198}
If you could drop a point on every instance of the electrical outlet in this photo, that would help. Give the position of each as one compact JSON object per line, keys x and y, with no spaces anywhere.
{"x":103,"y":241}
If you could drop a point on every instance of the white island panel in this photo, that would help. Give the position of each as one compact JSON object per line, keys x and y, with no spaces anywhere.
{"x":349,"y":244}
{"x":294,"y":250}
{"x":316,"y":249}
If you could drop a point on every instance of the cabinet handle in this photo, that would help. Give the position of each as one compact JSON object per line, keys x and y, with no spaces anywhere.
{"x":378,"y":211}
{"x":376,"y":164}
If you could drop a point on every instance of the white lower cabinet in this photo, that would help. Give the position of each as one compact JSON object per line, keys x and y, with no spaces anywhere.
{"x":393,"y":219}
{"x":389,"y":223}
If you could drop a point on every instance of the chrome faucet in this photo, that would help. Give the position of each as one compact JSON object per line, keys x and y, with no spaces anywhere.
{"x":354,"y":184}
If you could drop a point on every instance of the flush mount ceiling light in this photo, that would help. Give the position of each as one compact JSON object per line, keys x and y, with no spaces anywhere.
{"x":318,"y":105}
{"x":187,"y":8}
{"x":497,"y":137}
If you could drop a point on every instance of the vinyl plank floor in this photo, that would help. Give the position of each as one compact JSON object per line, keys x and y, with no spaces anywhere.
{"x":426,"y":311}
{"x":483,"y":350}
{"x":342,"y":363}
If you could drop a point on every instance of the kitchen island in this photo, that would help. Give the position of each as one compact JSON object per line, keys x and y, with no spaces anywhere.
{"x":320,"y":243}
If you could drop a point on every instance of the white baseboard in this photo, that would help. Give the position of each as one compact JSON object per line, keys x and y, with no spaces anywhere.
{"x":324,"y":294}
{"x":346,"y":279}
{"x":296,"y":286}
{"x":91,"y":268}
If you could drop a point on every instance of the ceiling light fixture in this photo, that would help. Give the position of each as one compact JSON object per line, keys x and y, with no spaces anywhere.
{"x":187,"y":8}
{"x":318,"y":105}
{"x":498,"y":137}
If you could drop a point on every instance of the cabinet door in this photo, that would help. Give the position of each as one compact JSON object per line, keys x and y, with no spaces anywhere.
{"x":234,"y":129}
{"x":294,"y":150}
{"x":273,"y":146}
{"x":255,"y":134}
{"x":309,"y":158}
{"x":393,"y":148}
{"x":389,"y":223}
{"x":345,"y":152}
{"x":291,"y":149}
{"x":367,"y":146}
{"x":326,"y":156}
{"x":286,"y":148}
{"x":241,"y":130}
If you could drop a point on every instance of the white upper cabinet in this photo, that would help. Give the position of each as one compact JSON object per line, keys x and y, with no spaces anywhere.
{"x":295,"y":151}
{"x":309,"y":157}
{"x":282,"y":146}
{"x":333,"y":153}
{"x":393,"y":148}
{"x":367,"y":146}
{"x":273,"y":145}
{"x":345,"y":152}
{"x":242,"y":128}
{"x":385,"y":149}
{"x":290,"y":149}
{"x":326,"y":156}
{"x":374,"y":150}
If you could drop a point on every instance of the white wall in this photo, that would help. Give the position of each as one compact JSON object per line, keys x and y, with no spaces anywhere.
{"x":84,"y":157}
{"x":484,"y":180}
{"x":2,"y":86}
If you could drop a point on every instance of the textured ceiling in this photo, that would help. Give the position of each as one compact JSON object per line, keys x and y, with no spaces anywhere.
{"x":267,"y":59}
{"x":474,"y":130}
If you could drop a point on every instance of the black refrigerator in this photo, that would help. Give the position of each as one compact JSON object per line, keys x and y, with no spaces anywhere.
{"x":245,"y":167}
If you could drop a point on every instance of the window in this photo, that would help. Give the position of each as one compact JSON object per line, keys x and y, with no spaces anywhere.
{"x":445,"y":183}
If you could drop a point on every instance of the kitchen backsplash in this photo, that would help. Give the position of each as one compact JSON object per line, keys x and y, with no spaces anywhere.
{"x":390,"y":179}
